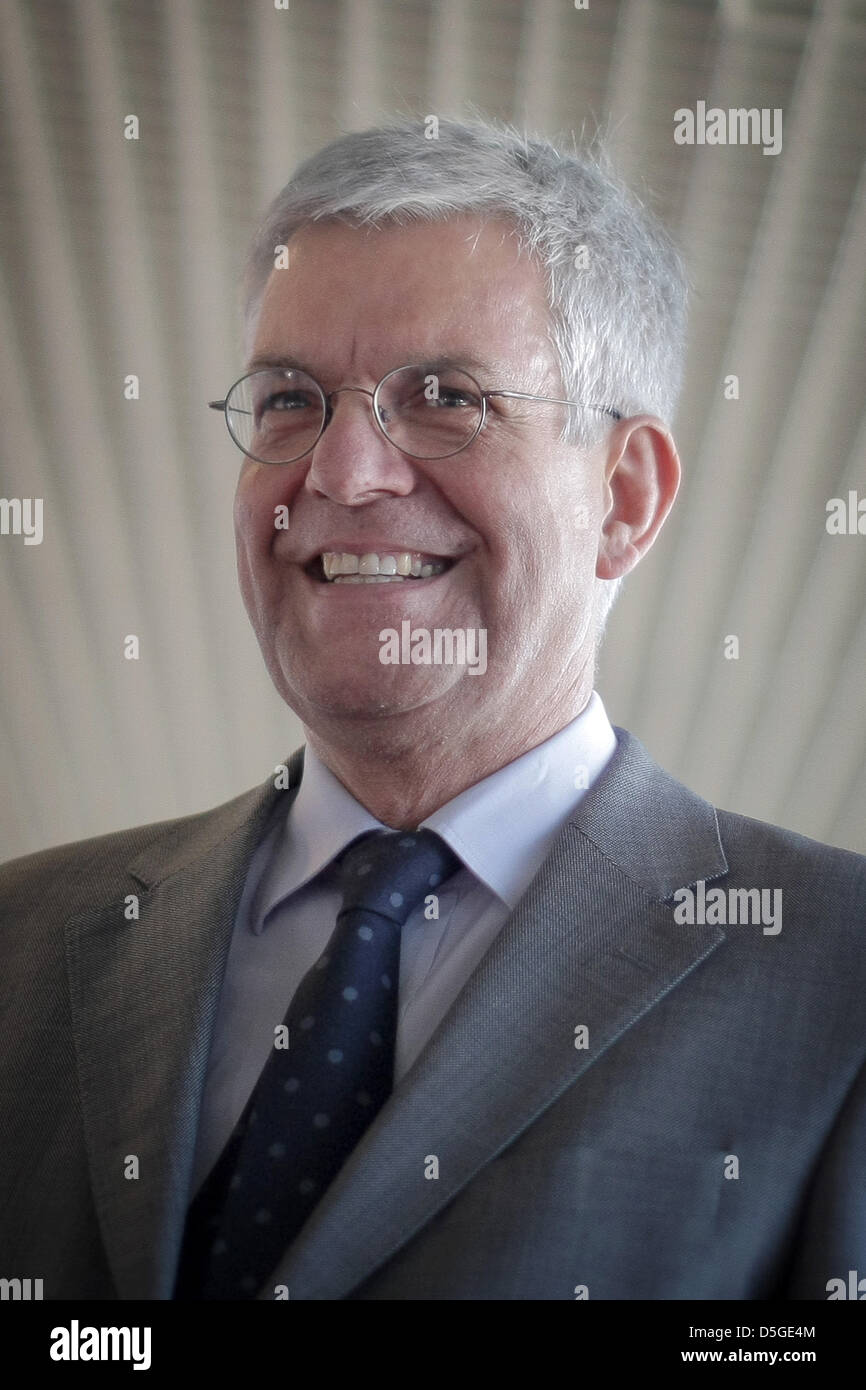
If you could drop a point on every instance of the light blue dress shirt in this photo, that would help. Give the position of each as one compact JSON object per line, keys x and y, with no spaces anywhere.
{"x":501,"y":829}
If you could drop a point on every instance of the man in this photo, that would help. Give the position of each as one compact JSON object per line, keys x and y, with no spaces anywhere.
{"x":575,"y":1033}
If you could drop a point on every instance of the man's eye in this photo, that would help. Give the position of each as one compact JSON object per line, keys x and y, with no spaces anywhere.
{"x":452,"y":397}
{"x":285,"y":400}
{"x":448,"y":397}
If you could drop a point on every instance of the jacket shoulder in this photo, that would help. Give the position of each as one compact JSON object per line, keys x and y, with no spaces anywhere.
{"x":670,"y":838}
{"x":765,"y":847}
{"x":70,"y":877}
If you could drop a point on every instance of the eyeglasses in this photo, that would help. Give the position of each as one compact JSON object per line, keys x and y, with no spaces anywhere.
{"x":278,"y":414}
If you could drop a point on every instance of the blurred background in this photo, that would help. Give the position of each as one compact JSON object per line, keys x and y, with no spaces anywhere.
{"x":121,"y":257}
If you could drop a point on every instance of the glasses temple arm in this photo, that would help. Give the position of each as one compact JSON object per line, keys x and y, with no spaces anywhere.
{"x":554,"y":400}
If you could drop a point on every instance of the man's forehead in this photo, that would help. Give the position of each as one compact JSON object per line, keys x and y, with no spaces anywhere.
{"x":458,"y":293}
{"x":440,"y":263}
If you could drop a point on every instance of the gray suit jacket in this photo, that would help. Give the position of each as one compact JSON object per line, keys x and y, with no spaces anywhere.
{"x":708,"y":1141}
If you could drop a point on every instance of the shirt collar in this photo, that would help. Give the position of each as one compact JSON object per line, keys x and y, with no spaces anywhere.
{"x":323,"y":819}
{"x":502,"y":828}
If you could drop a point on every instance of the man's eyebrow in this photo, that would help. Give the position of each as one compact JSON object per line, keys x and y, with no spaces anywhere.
{"x":277,"y":361}
{"x":439,"y":363}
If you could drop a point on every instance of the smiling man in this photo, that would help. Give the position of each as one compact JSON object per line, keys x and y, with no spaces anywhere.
{"x":506,"y":535}
{"x":448,"y":1012}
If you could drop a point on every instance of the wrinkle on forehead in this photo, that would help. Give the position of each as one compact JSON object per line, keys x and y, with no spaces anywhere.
{"x":354,"y":296}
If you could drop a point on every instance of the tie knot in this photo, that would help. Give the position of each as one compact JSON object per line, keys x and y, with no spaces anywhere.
{"x":390,"y":871}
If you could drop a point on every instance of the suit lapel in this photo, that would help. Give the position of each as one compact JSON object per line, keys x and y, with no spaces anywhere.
{"x":591,"y":943}
{"x":143,"y":996}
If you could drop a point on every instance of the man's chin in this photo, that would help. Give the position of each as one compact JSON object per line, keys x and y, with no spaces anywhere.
{"x":392,"y":695}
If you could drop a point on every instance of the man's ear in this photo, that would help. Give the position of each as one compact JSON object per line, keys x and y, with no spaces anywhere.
{"x":641,"y":478}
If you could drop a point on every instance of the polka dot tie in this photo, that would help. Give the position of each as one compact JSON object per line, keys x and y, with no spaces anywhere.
{"x":316,"y":1096}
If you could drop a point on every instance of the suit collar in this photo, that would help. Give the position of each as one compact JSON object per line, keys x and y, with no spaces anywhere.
{"x":656,"y":831}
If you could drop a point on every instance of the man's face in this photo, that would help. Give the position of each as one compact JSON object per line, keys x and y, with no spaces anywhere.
{"x":515,"y":516}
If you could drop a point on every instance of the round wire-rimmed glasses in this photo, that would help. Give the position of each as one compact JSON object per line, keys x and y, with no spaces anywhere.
{"x":278,"y":414}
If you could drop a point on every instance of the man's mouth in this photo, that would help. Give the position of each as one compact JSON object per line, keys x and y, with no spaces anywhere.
{"x":397,"y":567}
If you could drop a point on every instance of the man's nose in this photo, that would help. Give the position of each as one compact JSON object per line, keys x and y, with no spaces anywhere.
{"x":353,"y":462}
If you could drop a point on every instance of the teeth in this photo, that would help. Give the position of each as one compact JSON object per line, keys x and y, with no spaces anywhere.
{"x":342,"y":567}
{"x":368,"y":579}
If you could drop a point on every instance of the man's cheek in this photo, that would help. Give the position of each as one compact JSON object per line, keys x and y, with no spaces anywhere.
{"x":248,"y":524}
{"x":256,"y":531}
{"x":261,"y":503}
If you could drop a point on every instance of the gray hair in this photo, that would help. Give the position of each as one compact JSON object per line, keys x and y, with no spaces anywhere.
{"x":615,"y":283}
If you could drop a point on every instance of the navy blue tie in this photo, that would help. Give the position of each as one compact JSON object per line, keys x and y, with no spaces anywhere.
{"x":316,"y":1096}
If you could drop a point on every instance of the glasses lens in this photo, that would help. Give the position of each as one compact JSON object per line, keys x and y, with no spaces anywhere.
{"x":430,"y":414}
{"x":275,"y":416}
